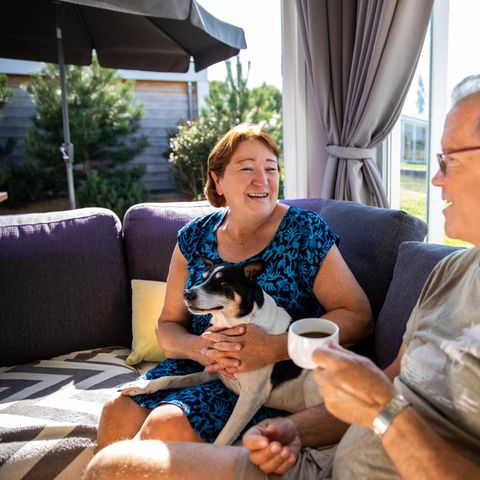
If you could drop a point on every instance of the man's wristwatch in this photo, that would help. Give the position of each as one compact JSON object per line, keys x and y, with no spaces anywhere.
{"x":384,"y":419}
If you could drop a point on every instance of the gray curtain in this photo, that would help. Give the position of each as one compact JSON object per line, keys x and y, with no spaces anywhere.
{"x":361,"y":56}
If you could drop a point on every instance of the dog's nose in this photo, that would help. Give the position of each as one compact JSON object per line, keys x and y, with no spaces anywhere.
{"x":190,"y":294}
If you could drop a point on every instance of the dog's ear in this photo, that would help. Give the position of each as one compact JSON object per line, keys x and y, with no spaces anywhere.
{"x":253,"y":269}
{"x":208,"y":263}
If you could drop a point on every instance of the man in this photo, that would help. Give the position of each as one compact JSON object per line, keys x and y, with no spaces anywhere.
{"x":425,"y":425}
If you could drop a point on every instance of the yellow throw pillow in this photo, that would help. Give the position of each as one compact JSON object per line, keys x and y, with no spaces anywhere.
{"x":147,"y":303}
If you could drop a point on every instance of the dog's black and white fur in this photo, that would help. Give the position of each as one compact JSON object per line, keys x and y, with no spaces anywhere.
{"x":233,"y":297}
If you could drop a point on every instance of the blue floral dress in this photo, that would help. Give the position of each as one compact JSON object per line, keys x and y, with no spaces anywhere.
{"x":291,"y":260}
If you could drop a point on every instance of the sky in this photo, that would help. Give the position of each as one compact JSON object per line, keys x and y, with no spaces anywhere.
{"x":260,"y":20}
{"x":464,"y":40}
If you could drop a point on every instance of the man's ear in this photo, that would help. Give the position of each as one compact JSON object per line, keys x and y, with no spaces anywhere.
{"x":252,"y":270}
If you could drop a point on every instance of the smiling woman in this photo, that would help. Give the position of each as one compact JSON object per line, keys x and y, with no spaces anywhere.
{"x":303,"y":272}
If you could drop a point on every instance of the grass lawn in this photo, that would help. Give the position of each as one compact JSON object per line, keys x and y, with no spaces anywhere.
{"x":413,"y":200}
{"x":421,"y":167}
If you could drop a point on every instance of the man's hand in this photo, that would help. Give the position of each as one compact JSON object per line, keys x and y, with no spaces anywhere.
{"x":273,"y":445}
{"x":353,"y":387}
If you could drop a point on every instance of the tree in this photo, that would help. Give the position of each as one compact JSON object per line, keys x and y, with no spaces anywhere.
{"x":103,"y":121}
{"x":420,"y":95}
{"x":189,"y":150}
{"x":229,"y":103}
{"x":5,"y":95}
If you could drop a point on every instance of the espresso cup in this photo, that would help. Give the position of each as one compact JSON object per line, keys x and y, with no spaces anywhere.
{"x":305,"y":335}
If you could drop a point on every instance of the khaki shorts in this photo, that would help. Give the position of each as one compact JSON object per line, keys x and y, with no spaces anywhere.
{"x":312,"y":464}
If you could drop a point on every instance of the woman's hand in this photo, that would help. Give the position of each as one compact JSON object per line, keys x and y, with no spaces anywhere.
{"x":353,"y":387}
{"x":273,"y":445}
{"x":240,"y":349}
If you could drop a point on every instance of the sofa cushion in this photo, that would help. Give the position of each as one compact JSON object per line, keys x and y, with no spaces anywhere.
{"x":148,"y":297}
{"x":414,"y":263}
{"x":49,"y":412}
{"x":369,"y":242}
{"x":63,"y":284}
{"x":150,"y":233}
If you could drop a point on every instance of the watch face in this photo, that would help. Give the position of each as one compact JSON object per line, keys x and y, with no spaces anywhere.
{"x":381,"y":423}
{"x":383,"y":420}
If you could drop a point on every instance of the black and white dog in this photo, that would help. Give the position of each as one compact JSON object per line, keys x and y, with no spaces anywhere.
{"x":233,"y":297}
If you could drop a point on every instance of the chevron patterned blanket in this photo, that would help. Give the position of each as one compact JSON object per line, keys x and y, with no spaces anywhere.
{"x":49,"y":412}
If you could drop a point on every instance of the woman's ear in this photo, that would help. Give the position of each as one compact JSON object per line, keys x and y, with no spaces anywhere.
{"x":216,"y":179}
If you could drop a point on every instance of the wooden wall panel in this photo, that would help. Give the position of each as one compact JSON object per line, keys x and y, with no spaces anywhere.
{"x":165,"y":105}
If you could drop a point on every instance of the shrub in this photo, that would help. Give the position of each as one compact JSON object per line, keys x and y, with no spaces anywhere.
{"x":190,"y":148}
{"x":116,"y":190}
{"x":24,"y":183}
{"x":228,"y":104}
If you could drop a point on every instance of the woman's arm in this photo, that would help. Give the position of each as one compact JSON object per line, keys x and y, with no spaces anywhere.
{"x":335,"y":288}
{"x":343,"y":299}
{"x":172,"y":334}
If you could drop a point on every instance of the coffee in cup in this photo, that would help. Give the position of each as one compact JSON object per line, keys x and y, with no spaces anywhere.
{"x":305,"y":335}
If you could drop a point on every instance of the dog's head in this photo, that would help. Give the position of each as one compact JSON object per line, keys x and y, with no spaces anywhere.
{"x":228,"y":289}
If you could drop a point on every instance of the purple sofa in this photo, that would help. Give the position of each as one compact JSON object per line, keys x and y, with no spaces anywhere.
{"x":65,"y":313}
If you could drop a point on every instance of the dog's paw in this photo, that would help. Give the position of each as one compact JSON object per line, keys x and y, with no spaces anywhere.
{"x":138,"y":387}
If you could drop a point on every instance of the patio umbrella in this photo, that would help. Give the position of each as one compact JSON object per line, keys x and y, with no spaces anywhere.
{"x":152,"y":35}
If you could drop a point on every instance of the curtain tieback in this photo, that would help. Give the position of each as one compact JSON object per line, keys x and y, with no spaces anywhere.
{"x":350,"y":152}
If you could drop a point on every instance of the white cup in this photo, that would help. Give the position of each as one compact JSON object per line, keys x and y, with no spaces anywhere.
{"x":301,"y":347}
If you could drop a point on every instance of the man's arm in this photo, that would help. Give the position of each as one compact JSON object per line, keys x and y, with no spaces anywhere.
{"x":355,"y":390}
{"x":419,"y":453}
{"x":274,"y":444}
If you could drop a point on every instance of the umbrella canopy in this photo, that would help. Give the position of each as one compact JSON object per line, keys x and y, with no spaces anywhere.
{"x":152,"y":35}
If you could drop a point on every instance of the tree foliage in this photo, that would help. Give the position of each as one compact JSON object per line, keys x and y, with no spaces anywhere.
{"x":420,"y":95}
{"x":229,"y":103}
{"x":5,"y":92}
{"x":103,"y":120}
{"x":104,"y":125}
{"x":5,"y":95}
{"x":117,"y":190}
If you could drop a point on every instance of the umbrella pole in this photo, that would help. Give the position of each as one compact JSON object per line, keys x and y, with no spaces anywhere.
{"x":67,"y":147}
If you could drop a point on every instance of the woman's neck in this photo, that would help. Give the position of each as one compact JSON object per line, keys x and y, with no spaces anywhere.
{"x":243,"y":230}
{"x":239,"y":238}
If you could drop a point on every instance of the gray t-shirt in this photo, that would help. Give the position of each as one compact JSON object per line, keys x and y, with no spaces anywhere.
{"x":440,"y":371}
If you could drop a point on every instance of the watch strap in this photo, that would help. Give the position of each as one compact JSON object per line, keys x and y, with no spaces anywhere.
{"x":384,"y":419}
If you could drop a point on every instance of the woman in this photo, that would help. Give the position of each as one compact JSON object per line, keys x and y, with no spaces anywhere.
{"x":304,"y":272}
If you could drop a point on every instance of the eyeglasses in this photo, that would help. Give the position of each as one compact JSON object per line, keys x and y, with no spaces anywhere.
{"x":442,"y":157}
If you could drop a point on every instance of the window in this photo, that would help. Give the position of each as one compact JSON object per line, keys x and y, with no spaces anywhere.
{"x":409,"y":156}
{"x":416,"y":138}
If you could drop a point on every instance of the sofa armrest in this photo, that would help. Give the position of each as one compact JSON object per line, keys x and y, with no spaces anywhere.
{"x":63,"y":284}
